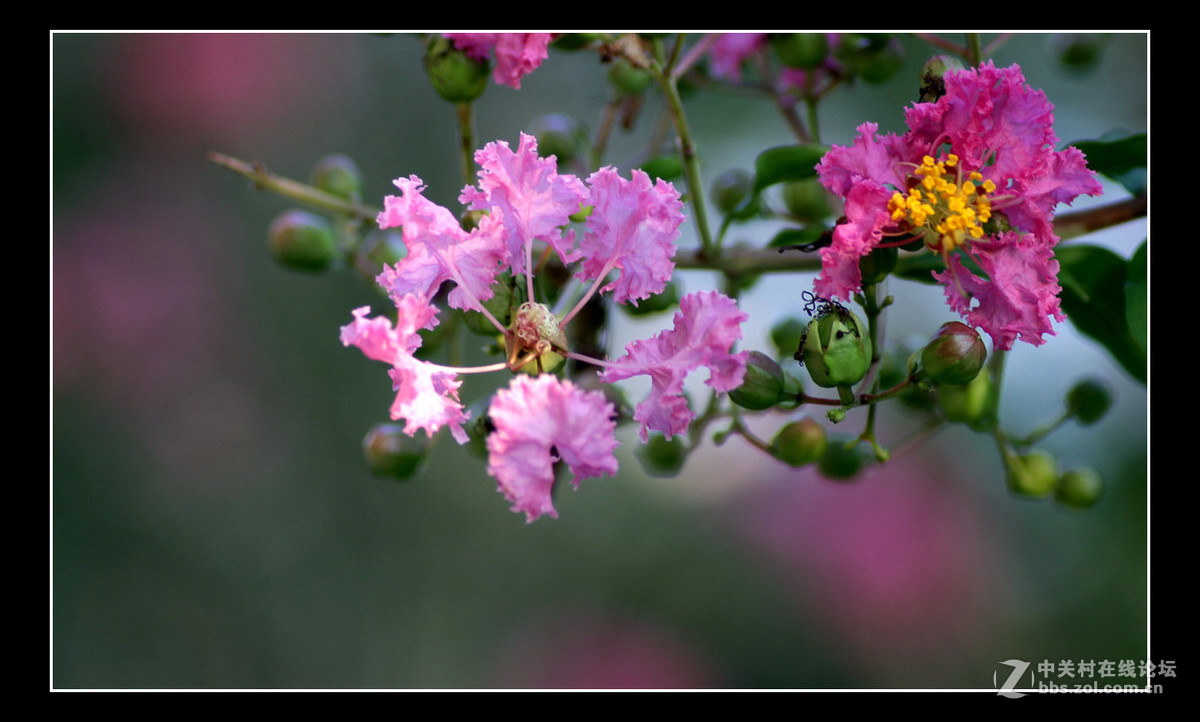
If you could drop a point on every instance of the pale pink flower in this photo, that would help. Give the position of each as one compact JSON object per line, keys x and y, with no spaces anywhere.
{"x":707,"y":326}
{"x":517,"y":54}
{"x":541,"y":420}
{"x":632,"y":228}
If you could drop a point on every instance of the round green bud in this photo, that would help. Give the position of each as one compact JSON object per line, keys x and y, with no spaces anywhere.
{"x":627,"y":78}
{"x":558,"y":135}
{"x":1079,"y":488}
{"x":955,"y":355}
{"x":933,"y":76}
{"x":800,"y":443}
{"x":338,"y":175}
{"x":455,"y":77}
{"x":731,"y":189}
{"x":968,"y":403}
{"x":302,"y":241}
{"x":836,"y":348}
{"x":762,"y":386}
{"x":1089,"y":400}
{"x":800,"y":50}
{"x":662,"y":457}
{"x":392,"y":453}
{"x":377,"y":249}
{"x":842,"y":460}
{"x":1079,"y":51}
{"x":807,"y":200}
{"x":1034,"y":474}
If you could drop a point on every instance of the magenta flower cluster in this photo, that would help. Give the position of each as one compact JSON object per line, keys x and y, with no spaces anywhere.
{"x":991,"y":139}
{"x":626,"y":249}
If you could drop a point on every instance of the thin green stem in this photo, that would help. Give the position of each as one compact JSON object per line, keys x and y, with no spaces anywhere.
{"x":299,"y":192}
{"x":466,"y":140}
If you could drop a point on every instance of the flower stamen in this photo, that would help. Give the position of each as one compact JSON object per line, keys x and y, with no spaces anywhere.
{"x":943,"y":207}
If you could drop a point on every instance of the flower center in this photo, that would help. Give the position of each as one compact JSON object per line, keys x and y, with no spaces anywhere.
{"x":947,"y":210}
{"x":535,"y":335}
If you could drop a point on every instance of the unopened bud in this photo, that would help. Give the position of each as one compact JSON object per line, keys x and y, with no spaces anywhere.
{"x":1034,"y":474}
{"x":762,"y":386}
{"x":800,"y":442}
{"x":955,"y":355}
{"x":455,"y":77}
{"x":1089,"y":400}
{"x":627,"y":78}
{"x":661,"y":456}
{"x":842,"y":460}
{"x":807,"y":200}
{"x":338,"y":175}
{"x":731,"y":188}
{"x":392,"y":453}
{"x":836,"y":348}
{"x":558,"y":135}
{"x":302,"y":241}
{"x":967,"y":403}
{"x":800,"y":50}
{"x":1080,"y":488}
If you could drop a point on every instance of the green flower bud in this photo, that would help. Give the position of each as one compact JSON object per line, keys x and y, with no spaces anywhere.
{"x":377,"y":249}
{"x":455,"y":77}
{"x":392,"y":453}
{"x":1089,"y":400}
{"x":627,"y":78}
{"x":955,"y":355}
{"x":1034,"y":474}
{"x":836,"y":348}
{"x":302,"y":241}
{"x":662,"y":457}
{"x":842,"y":460}
{"x":786,"y":335}
{"x":968,"y":403}
{"x":807,"y":200}
{"x":1079,"y":51}
{"x":558,"y":135}
{"x":933,"y":76}
{"x":800,"y":50}
{"x":762,"y":387}
{"x":800,"y":442}
{"x":338,"y":175}
{"x":1079,"y":488}
{"x":731,"y":189}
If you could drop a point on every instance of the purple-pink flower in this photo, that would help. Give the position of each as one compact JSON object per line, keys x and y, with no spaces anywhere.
{"x":517,"y":54}
{"x":627,"y":250}
{"x":983,"y":150}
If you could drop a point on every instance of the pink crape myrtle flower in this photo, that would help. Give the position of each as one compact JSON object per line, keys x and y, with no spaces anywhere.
{"x":983,"y":151}
{"x":730,"y":50}
{"x":626,"y":250}
{"x":517,"y":54}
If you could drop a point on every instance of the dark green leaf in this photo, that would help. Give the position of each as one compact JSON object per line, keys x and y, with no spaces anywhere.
{"x":796,"y":237}
{"x":1120,"y":157}
{"x":1136,"y":310}
{"x":667,"y":167}
{"x":1093,"y":297}
{"x":786,"y":163}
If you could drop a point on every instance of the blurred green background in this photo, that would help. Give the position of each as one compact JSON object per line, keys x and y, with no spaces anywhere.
{"x":214,"y":525}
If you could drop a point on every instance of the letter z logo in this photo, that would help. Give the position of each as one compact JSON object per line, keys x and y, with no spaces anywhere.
{"x":1019,"y":668}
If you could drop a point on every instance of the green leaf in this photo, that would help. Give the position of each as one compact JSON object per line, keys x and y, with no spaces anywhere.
{"x":1093,"y":297}
{"x":796,"y":237}
{"x":1136,"y":286}
{"x":1119,"y":156}
{"x":667,"y":167}
{"x":786,"y":163}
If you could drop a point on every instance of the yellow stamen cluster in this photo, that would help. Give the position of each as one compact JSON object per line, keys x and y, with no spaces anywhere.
{"x":946,"y":208}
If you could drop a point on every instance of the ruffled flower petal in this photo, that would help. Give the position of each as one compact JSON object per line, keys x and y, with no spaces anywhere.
{"x":528,"y":191}
{"x":517,"y":54}
{"x":632,"y":228}
{"x":706,"y":327}
{"x":1018,"y":296}
{"x":540,"y":420}
{"x":439,"y":249}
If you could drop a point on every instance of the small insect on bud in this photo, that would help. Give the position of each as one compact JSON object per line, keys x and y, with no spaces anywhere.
{"x":762,"y":386}
{"x":835,"y":348}
{"x":1034,"y":474}
{"x":955,"y":355}
{"x":302,"y":241}
{"x":800,"y":442}
{"x":392,"y":453}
